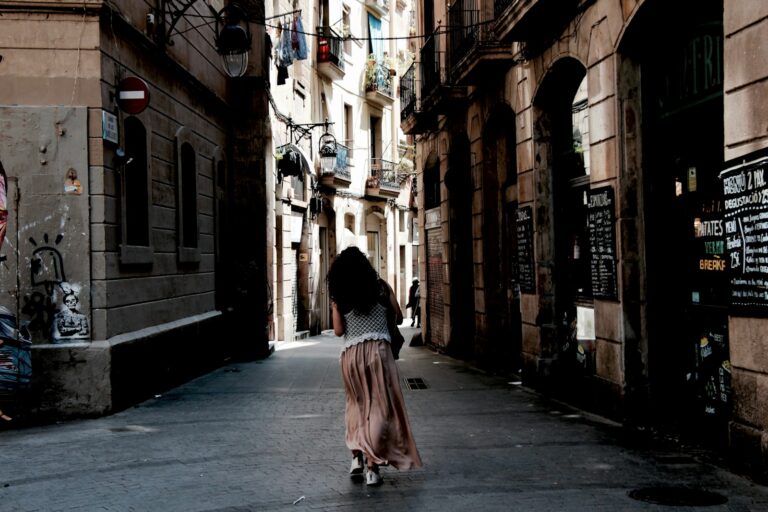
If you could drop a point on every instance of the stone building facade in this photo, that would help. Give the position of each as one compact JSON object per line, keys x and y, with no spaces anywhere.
{"x":349,"y":80}
{"x":124,"y":262}
{"x":585,"y":168}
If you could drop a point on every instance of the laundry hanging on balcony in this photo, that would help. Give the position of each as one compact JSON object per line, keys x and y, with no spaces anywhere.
{"x":291,"y":45}
{"x":291,"y":161}
{"x":298,"y":39}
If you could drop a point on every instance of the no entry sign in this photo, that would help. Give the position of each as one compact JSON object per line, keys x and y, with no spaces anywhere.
{"x":132,"y":95}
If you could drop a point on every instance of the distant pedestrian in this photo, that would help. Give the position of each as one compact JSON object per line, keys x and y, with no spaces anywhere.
{"x":377,"y":427}
{"x":414,"y":302}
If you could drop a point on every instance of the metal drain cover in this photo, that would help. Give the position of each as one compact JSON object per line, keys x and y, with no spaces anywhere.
{"x":415,"y":383}
{"x":678,"y":496}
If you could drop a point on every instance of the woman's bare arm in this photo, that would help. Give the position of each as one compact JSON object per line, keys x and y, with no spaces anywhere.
{"x":338,"y":320}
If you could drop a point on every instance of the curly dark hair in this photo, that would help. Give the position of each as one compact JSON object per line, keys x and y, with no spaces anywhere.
{"x":352,"y":282}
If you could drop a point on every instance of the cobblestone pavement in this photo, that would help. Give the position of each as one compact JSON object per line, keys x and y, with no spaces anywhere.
{"x":268,"y":435}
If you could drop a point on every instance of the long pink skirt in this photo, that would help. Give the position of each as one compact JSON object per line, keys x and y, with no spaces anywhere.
{"x":376,"y":420}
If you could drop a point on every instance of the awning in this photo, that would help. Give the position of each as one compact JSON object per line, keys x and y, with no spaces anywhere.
{"x":292,"y":161}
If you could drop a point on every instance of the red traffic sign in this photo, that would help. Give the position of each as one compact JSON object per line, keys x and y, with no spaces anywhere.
{"x":132,"y":95}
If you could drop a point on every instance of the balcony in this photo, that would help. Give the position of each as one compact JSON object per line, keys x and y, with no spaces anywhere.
{"x":383,"y":180}
{"x":535,"y":22}
{"x":340,"y":176}
{"x":380,"y":7}
{"x":475,"y":53}
{"x":378,"y":82}
{"x":330,"y":54}
{"x":412,"y":119}
{"x":438,"y":94}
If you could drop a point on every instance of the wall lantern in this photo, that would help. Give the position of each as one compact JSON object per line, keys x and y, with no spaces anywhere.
{"x":327,"y":145}
{"x":233,"y":40}
{"x":327,"y":149}
{"x":232,"y":33}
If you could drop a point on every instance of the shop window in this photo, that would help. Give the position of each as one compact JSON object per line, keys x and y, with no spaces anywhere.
{"x":135,"y":197}
{"x":186,"y":183}
{"x":575,"y":158}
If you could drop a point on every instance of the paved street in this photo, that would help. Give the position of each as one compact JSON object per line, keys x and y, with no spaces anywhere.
{"x":268,"y":435}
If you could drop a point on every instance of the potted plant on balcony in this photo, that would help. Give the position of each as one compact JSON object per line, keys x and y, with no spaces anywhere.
{"x":375,"y":76}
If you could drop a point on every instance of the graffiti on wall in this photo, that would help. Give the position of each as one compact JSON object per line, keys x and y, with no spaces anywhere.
{"x":3,"y":205}
{"x":47,"y":320}
{"x":15,"y":362}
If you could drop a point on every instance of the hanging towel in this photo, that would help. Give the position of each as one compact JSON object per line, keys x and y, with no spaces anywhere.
{"x":299,"y":39}
{"x":284,"y":48}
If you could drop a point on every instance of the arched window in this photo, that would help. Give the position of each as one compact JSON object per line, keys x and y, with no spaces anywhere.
{"x":188,"y":196}
{"x":135,"y":181}
{"x":186,"y":183}
{"x":135,"y":197}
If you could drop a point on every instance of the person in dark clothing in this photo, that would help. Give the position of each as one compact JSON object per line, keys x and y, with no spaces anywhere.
{"x":414,"y":302}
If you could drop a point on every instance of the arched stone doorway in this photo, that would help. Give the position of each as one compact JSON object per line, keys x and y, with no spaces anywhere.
{"x":671,"y":93}
{"x":566,"y":308}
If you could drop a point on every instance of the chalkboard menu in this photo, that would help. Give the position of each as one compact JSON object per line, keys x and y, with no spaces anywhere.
{"x":601,"y":218}
{"x":745,"y":194}
{"x":525,"y":266}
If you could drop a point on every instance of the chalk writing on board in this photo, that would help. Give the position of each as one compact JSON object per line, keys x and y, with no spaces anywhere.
{"x":601,"y":218}
{"x":745,"y":193}
{"x":525,"y":264}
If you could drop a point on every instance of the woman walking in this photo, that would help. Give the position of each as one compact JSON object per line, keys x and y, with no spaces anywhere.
{"x":377,"y":427}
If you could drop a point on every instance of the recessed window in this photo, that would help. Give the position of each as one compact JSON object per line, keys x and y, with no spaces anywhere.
{"x":136,"y":193}
{"x":186,"y":175}
{"x":348,"y":128}
{"x":135,"y":197}
{"x":346,"y":29}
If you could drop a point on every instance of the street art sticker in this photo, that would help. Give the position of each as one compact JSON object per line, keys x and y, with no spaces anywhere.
{"x":69,"y":323}
{"x":72,"y":185}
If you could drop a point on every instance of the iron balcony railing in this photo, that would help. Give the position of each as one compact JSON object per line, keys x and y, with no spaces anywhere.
{"x":463,"y":16}
{"x":408,"y":92}
{"x":378,"y":77}
{"x":383,"y":174}
{"x":431,"y":63}
{"x":470,"y":28}
{"x":330,"y":47}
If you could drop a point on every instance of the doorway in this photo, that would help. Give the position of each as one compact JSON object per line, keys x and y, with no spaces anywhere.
{"x":681,"y":82}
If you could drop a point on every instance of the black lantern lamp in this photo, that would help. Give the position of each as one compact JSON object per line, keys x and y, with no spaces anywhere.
{"x":233,"y":40}
{"x":327,"y":144}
